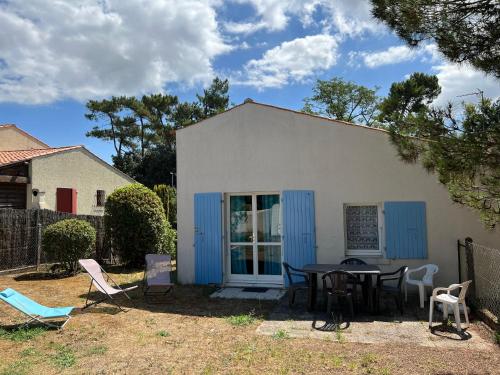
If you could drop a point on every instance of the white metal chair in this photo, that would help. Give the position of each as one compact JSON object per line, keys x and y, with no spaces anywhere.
{"x":426,"y":280}
{"x":439,"y":295}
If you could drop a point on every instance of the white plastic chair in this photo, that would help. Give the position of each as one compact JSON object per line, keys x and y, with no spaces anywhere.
{"x":427,"y":280}
{"x":447,"y":298}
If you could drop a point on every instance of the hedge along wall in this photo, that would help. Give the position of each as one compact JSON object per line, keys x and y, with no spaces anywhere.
{"x":20,"y":236}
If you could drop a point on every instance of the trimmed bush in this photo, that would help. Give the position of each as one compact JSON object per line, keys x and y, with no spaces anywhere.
{"x":136,"y":224}
{"x":67,"y":241}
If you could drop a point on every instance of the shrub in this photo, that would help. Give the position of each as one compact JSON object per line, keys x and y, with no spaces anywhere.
{"x":68,"y":240}
{"x":168,"y":196}
{"x":136,"y":224}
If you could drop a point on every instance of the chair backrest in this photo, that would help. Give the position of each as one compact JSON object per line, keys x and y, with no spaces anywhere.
{"x":353,"y":261}
{"x":402,"y":272}
{"x":22,"y":303}
{"x":463,"y":290}
{"x":286,"y":266}
{"x":430,"y":271}
{"x":338,"y":281}
{"x":290,"y":271}
{"x":158,"y":267}
{"x":95,"y":273}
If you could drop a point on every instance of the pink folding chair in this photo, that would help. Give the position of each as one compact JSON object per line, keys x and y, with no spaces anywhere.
{"x":157,"y":275}
{"x":96,"y":274}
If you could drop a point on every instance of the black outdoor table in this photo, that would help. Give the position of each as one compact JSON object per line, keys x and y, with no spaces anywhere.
{"x":358,"y":269}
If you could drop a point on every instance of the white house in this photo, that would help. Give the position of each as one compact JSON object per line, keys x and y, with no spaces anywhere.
{"x":67,"y":179}
{"x":259,"y":184}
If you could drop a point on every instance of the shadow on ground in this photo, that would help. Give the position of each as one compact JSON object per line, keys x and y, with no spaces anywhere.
{"x":386,"y":327}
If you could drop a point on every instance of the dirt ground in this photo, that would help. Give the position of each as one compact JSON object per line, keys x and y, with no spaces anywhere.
{"x":190,"y":333}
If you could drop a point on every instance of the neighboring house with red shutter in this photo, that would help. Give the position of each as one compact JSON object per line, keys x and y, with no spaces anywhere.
{"x":66,"y":179}
{"x":258,"y":185}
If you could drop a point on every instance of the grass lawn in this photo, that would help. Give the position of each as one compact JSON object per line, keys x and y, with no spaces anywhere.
{"x":193,"y":334}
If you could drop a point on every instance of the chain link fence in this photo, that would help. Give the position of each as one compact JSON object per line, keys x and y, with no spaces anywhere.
{"x":21,"y":235}
{"x":481,"y":264}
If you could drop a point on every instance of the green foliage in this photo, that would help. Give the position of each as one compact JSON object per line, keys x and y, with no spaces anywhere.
{"x":98,"y":350}
{"x":136,"y":224}
{"x":64,"y":357}
{"x":142,"y":130}
{"x":281,"y":334}
{"x":22,"y":334}
{"x":463,"y":149}
{"x":464,"y":31}
{"x":69,"y":240}
{"x":343,"y":100}
{"x":215,"y":99}
{"x":168,"y":196}
{"x":118,"y":129}
{"x":163,"y":333}
{"x":241,"y":320}
{"x":337,"y":361}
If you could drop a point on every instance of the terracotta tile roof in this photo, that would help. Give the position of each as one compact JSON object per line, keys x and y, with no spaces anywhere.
{"x":12,"y":157}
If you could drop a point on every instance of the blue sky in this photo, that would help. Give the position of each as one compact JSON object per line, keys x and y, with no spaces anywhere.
{"x":55,"y":56}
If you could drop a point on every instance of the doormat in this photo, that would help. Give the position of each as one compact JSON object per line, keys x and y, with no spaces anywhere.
{"x":255,"y":290}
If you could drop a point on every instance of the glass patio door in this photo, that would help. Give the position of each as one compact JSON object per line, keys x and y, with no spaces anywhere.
{"x":254,"y":238}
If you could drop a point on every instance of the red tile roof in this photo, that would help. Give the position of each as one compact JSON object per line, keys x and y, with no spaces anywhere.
{"x":17,"y":156}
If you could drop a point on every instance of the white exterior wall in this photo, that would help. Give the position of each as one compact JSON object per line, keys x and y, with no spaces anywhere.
{"x":12,"y":138}
{"x":77,"y":169}
{"x":259,"y":148}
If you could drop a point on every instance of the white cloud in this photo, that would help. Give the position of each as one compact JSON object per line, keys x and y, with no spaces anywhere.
{"x":243,"y":27}
{"x":292,"y":61}
{"x":392,"y":55}
{"x":345,"y":17}
{"x":353,"y":17}
{"x":457,"y":80}
{"x":396,"y":55}
{"x":55,"y":50}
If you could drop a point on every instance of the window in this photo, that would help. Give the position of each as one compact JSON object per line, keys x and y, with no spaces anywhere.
{"x":362,"y":229}
{"x":100,"y":198}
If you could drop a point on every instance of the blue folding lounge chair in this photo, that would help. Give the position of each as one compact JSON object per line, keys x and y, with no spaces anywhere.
{"x":35,"y":311}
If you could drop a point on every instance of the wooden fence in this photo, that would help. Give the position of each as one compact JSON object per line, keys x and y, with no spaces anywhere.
{"x":21,"y":234}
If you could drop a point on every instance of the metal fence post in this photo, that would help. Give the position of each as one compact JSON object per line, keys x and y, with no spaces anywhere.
{"x":469,"y":256}
{"x":38,"y":241}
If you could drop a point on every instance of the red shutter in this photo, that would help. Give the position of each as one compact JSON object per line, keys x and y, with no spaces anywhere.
{"x":66,"y":200}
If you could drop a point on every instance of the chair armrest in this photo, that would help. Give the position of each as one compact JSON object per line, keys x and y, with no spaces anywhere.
{"x":389,"y":273}
{"x":437,"y":291}
{"x":380,"y":279}
{"x":305,"y":276}
{"x":412,"y":270}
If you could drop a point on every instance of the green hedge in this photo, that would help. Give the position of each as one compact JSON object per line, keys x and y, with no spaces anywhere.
{"x":136,"y":224}
{"x":168,"y":196}
{"x":69,"y":240}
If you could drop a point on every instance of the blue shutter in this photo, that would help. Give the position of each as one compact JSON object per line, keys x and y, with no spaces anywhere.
{"x":405,"y":230}
{"x":208,"y":238}
{"x":299,"y":231}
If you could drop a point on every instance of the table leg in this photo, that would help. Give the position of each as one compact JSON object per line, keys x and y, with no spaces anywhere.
{"x":369,"y":289}
{"x":311,"y":295}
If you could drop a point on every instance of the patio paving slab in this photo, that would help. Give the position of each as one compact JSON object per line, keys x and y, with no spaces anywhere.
{"x":271,"y":294}
{"x":386,"y":328}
